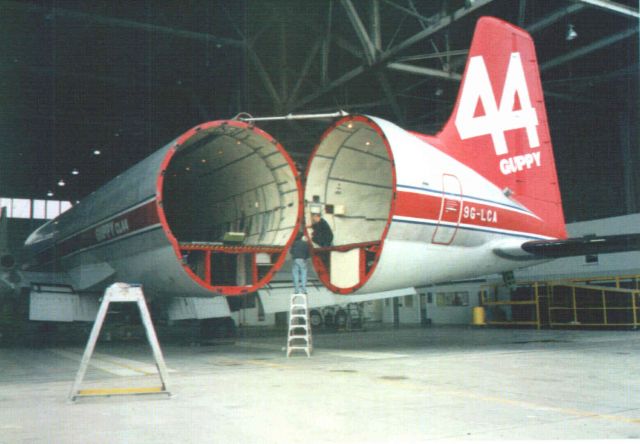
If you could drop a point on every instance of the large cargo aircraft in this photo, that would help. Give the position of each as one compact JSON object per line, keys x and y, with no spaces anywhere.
{"x":212,"y":214}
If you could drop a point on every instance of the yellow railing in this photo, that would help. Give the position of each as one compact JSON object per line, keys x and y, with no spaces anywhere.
{"x":597,"y":301}
{"x":493,"y":303}
{"x":592,"y":306}
{"x":634,"y":279}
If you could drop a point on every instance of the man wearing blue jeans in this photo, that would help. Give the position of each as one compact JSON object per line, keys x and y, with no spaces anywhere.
{"x":300,"y":254}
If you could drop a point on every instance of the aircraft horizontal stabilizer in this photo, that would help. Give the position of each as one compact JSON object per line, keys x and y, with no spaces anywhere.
{"x":576,"y":246}
{"x":579,"y":246}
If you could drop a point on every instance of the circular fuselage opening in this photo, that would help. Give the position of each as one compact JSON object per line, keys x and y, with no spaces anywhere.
{"x":231,"y":200}
{"x":350,"y":182}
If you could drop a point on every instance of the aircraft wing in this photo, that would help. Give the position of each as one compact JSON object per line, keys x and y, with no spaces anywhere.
{"x":576,"y":246}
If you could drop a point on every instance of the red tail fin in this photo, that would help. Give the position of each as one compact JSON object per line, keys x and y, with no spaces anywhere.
{"x":499,"y":123}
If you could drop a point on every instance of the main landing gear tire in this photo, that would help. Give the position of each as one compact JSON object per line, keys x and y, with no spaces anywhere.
{"x":341,"y":319}
{"x":315,"y":318}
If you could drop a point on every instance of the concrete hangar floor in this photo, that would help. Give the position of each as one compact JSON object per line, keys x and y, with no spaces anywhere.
{"x":382,"y":385}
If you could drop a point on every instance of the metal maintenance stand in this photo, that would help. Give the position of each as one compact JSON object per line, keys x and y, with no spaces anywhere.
{"x":120,"y":292}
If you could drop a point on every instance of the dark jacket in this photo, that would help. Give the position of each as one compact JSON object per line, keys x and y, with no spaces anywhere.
{"x":300,"y":250}
{"x":322,"y":234}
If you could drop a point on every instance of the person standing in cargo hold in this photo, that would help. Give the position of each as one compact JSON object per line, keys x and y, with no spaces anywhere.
{"x":300,"y":254}
{"x":322,"y":234}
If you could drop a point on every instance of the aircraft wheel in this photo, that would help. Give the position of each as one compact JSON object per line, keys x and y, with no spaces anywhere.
{"x":341,"y":319}
{"x":329,"y":321}
{"x":315,"y":318}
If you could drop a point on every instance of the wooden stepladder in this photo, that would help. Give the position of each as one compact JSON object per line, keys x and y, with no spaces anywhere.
{"x":120,"y":292}
{"x":299,"y":337}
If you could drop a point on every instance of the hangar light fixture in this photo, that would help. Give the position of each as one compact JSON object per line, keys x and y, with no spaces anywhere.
{"x":75,"y":172}
{"x":571,"y":33}
{"x":49,"y":193}
{"x":96,"y":152}
{"x":61,"y":183}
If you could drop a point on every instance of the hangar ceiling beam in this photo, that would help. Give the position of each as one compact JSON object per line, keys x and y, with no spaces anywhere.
{"x":391,"y":98}
{"x":442,"y":23}
{"x":434,"y":55}
{"x":361,"y":31}
{"x":522,"y":8}
{"x":408,"y":11}
{"x":344,"y":44}
{"x":554,"y":17}
{"x":326,"y":48}
{"x":389,"y":55}
{"x":265,"y":78}
{"x":613,"y":7}
{"x":305,"y":70}
{"x":595,"y":46}
{"x":284,"y":77}
{"x":120,"y":23}
{"x":382,"y":78}
{"x":376,"y":34}
{"x":421,"y":70}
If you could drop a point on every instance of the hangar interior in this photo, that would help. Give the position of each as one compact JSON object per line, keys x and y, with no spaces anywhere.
{"x":109,"y":84}
{"x":146,"y":78}
{"x":90,"y":88}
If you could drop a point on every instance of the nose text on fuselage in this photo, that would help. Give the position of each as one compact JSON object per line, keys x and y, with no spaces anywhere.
{"x":112,"y":229}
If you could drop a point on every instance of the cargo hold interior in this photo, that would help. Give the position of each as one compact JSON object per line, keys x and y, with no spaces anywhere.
{"x":231,"y":200}
{"x":350,"y":181}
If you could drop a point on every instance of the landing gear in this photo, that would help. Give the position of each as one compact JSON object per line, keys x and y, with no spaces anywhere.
{"x":341,"y":319}
{"x":217,"y":328}
{"x":315,"y":318}
{"x":328,"y":314}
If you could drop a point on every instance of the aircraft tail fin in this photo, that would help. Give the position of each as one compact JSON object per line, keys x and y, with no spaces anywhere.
{"x":499,"y":125}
